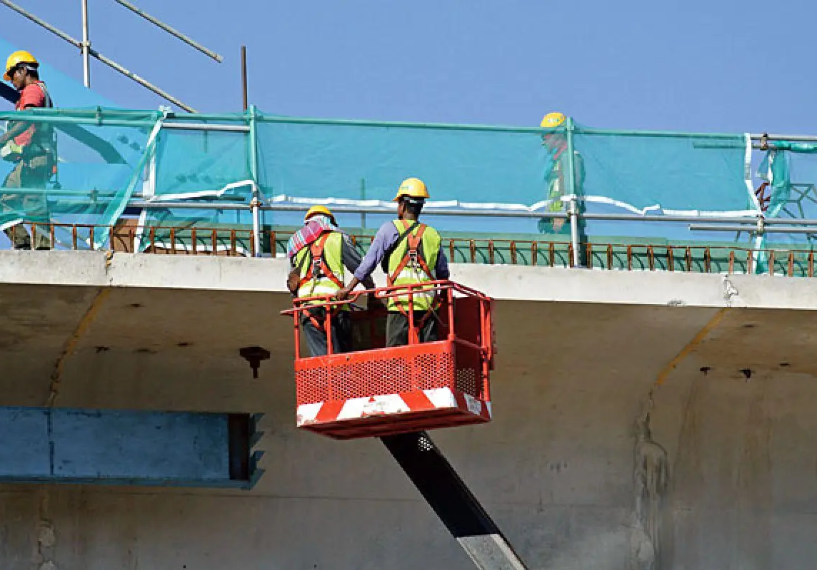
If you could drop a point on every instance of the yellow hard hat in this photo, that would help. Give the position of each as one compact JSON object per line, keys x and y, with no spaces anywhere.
{"x":318,"y":210}
{"x":412,"y":188}
{"x":16,"y":59}
{"x":553,"y":120}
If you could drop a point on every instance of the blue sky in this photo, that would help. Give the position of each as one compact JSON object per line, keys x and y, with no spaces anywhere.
{"x":715,"y":66}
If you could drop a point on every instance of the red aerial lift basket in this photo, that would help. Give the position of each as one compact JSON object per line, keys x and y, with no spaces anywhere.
{"x":376,"y":391}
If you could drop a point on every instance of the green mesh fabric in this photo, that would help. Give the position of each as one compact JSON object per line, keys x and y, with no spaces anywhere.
{"x":514,"y":169}
{"x":205,"y":179}
{"x":199,"y":168}
{"x":790,"y":171}
{"x":100,"y":157}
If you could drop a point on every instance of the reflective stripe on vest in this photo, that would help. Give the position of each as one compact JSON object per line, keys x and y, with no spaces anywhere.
{"x":331,"y":249}
{"x":414,"y":271}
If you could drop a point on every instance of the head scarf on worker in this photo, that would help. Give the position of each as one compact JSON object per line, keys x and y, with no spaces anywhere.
{"x":318,"y":219}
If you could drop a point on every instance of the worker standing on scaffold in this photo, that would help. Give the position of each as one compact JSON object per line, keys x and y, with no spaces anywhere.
{"x":32,"y":147}
{"x":410,"y":252}
{"x":318,"y":253}
{"x":557,"y":147}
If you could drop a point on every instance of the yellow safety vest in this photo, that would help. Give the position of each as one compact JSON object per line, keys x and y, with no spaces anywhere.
{"x":413,"y":261}
{"x":320,"y":267}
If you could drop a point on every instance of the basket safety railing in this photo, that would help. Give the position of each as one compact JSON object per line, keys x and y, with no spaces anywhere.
{"x":481,"y":340}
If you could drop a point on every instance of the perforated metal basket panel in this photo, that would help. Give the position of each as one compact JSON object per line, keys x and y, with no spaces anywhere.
{"x":371,"y":373}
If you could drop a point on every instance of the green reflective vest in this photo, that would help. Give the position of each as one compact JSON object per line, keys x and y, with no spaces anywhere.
{"x":557,"y":182}
{"x":320,"y":266}
{"x":406,"y":268}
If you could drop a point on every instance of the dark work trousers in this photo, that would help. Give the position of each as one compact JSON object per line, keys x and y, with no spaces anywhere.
{"x":30,"y":174}
{"x":397,"y":328}
{"x":316,"y":338}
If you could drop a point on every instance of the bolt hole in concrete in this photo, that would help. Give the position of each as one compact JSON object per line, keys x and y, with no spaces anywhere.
{"x":746,"y":372}
{"x":784,"y":364}
{"x":705,"y":369}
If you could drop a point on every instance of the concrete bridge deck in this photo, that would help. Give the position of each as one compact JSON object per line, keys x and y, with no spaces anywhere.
{"x":723,"y":364}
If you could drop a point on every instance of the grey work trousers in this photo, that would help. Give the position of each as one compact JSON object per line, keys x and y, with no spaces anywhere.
{"x":397,"y":328}
{"x":316,"y":337}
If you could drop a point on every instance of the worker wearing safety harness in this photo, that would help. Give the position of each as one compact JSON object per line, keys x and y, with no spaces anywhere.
{"x":32,"y":147}
{"x":319,"y":253}
{"x":410,"y":252}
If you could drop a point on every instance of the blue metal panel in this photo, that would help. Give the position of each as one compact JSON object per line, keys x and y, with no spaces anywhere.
{"x":115,"y":444}
{"x":27,"y":450}
{"x":128,"y":447}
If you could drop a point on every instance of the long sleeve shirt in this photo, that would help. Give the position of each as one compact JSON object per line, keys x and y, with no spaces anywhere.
{"x":385,"y":238}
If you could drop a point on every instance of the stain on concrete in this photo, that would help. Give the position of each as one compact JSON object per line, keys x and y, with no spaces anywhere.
{"x":650,"y":483}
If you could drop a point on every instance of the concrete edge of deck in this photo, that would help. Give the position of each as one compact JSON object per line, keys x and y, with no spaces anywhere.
{"x":504,"y":282}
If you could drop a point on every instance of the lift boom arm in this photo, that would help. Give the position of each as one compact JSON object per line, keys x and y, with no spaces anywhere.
{"x":450,"y":498}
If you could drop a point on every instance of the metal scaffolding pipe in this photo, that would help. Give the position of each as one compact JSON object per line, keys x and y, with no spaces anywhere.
{"x":86,"y":44}
{"x":143,"y":82}
{"x":244,"y":93}
{"x":793,"y":138}
{"x":42,"y":23}
{"x":170,"y":30}
{"x":206,"y":127}
{"x":107,"y":61}
{"x":348,"y":210}
{"x":751,"y":229}
{"x":668,"y":218}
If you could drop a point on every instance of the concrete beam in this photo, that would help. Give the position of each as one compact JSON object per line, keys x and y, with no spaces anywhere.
{"x":731,"y":396}
{"x":504,"y":282}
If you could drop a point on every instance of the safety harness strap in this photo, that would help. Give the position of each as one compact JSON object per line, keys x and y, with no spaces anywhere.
{"x":319,"y":267}
{"x":414,"y":254}
{"x":318,"y":262}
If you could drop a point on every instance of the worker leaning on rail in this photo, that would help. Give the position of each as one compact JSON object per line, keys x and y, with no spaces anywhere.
{"x":32,"y":147}
{"x":318,"y":253}
{"x":410,"y":252}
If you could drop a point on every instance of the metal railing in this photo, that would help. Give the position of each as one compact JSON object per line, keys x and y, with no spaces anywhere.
{"x":607,"y":255}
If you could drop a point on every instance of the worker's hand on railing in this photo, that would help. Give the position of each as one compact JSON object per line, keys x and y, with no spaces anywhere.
{"x":344,"y":293}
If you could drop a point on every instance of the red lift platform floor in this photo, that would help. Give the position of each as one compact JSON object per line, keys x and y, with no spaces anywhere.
{"x":376,"y":391}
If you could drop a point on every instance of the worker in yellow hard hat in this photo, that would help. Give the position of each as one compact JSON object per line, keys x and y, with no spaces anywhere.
{"x":32,"y":147}
{"x":555,"y":141}
{"x":410,"y":252}
{"x":319,"y":254}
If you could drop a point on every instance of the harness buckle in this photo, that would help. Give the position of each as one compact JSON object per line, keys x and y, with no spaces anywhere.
{"x":412,"y":258}
{"x":316,"y":267}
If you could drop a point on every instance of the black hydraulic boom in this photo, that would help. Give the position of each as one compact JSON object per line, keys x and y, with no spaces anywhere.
{"x":450,"y":498}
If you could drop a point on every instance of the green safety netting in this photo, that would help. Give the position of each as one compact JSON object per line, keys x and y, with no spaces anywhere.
{"x":201,"y":171}
{"x":789,"y":169}
{"x":199,"y":168}
{"x":474,"y":168}
{"x":94,"y":169}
